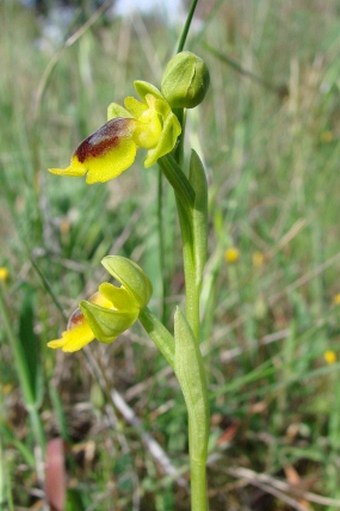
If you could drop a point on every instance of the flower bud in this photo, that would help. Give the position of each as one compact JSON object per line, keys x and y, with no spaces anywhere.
{"x":131,"y":276}
{"x":185,"y":80}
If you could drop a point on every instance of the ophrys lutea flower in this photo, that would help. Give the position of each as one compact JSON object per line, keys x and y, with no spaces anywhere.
{"x":110,"y":311}
{"x":148,"y":124}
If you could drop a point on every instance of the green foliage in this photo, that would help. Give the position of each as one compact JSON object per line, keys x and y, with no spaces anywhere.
{"x":269,"y":131}
{"x":30,"y":344}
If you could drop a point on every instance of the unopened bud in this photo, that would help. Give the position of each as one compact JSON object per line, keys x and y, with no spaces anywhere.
{"x":185,"y":80}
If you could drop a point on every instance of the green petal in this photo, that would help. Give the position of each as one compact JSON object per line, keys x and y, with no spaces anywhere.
{"x":135,"y":107}
{"x":120,"y":299}
{"x":115,"y":110}
{"x":167,"y":141}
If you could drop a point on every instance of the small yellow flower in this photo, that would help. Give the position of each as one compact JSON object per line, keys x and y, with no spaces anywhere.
{"x":258,"y":259}
{"x":110,"y":311}
{"x":111,"y":305}
{"x":330,"y":357}
{"x":4,"y":274}
{"x":336,"y":299}
{"x":326,"y":137}
{"x":232,"y":255}
{"x":6,"y":389}
{"x":148,"y":124}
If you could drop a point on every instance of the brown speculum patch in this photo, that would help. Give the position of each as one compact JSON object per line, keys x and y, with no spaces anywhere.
{"x":105,"y":138}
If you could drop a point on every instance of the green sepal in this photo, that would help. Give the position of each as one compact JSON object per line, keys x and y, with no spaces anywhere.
{"x":143,"y":88}
{"x":131,"y":276}
{"x":115,"y":110}
{"x":170,"y":132}
{"x":198,"y":181}
{"x":191,"y":376}
{"x":107,"y":324}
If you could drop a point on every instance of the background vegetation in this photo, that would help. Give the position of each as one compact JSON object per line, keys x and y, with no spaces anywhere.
{"x":269,"y":131}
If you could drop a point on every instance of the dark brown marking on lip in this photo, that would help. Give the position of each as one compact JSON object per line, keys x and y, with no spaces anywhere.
{"x":76,"y":318}
{"x":105,"y":138}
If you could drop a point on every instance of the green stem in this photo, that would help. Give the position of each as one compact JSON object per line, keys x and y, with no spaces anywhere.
{"x":160,"y":226}
{"x":178,"y":152}
{"x":190,"y":373}
{"x":198,"y":440}
{"x":199,"y":497}
{"x":186,"y":28}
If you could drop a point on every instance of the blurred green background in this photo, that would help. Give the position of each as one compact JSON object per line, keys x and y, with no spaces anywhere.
{"x":268,"y":131}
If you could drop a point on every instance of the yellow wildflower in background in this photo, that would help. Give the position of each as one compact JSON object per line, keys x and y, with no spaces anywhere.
{"x":4,"y":273}
{"x":326,"y":137}
{"x":330,"y":357}
{"x":336,"y":299}
{"x":232,"y":255}
{"x":6,"y":389}
{"x":258,"y":259}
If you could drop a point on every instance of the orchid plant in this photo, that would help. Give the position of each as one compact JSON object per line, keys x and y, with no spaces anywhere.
{"x":155,"y":123}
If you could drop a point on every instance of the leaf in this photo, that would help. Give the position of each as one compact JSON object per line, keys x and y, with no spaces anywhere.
{"x":198,"y":181}
{"x":178,"y":181}
{"x":29,"y":346}
{"x":158,"y":334}
{"x":74,"y":501}
{"x":191,"y":376}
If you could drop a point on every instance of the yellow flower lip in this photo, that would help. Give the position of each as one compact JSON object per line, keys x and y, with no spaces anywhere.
{"x":105,"y":154}
{"x":78,"y":332}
